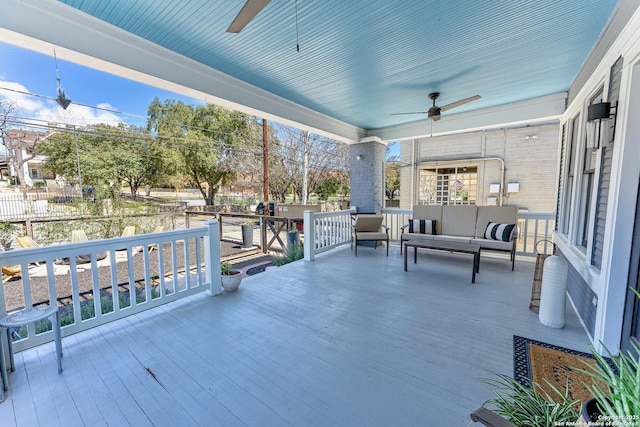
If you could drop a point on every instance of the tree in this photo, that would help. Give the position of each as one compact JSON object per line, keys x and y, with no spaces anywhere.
{"x":108,"y":155}
{"x":391,"y":173}
{"x":207,"y":138}
{"x":327,"y":159}
{"x":392,"y":180}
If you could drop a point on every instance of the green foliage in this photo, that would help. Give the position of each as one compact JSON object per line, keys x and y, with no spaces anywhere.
{"x":108,"y":155}
{"x":225,"y":268}
{"x":38,"y":184}
{"x":8,"y":231}
{"x":531,"y":406}
{"x":392,"y":180}
{"x":619,"y":399}
{"x":207,"y":138}
{"x":292,"y":253}
{"x":331,"y":187}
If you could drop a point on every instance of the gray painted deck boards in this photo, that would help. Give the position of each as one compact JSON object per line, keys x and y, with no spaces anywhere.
{"x":338,"y":341}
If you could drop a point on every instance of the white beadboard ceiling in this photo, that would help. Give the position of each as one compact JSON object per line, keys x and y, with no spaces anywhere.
{"x":361,"y":61}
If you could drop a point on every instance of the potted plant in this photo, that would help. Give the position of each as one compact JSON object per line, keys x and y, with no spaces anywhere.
{"x":530,"y":405}
{"x":616,"y":389}
{"x":247,"y":233}
{"x":7,"y":231}
{"x":230,"y":278}
{"x":293,"y":237}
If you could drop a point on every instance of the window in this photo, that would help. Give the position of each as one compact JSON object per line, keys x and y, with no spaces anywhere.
{"x":35,"y":173}
{"x":448,"y":186}
{"x":588,"y":174}
{"x":568,"y":188}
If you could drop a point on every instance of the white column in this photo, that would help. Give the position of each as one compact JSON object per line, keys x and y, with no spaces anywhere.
{"x":212,"y":258}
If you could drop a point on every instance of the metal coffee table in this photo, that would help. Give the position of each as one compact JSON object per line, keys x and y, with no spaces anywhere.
{"x":441,"y":245}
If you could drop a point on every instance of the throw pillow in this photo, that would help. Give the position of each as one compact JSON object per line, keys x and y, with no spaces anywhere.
{"x":496,"y":231}
{"x":422,"y":226}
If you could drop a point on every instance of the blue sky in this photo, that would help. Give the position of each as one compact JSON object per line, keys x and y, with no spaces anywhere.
{"x":32,"y":72}
{"x":27,"y":71}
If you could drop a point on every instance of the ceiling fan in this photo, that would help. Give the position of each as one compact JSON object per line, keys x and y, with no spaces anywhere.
{"x":434,"y":112}
{"x":249,"y":11}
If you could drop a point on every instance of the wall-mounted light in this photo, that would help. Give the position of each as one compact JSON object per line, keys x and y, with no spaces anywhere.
{"x":530,"y":137}
{"x":599,"y":111}
{"x":359,"y":157}
{"x":596,"y":113}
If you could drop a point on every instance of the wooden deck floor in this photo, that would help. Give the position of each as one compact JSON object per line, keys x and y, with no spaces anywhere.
{"x":339,"y":341}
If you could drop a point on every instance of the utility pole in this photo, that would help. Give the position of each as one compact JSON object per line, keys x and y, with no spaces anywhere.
{"x":265,"y":162}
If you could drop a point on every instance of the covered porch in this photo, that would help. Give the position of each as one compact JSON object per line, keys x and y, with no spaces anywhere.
{"x":338,"y":341}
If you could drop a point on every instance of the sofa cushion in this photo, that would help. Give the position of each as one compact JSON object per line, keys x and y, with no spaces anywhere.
{"x":368,"y":223}
{"x":409,"y":236}
{"x":422,"y":226}
{"x":499,"y":214}
{"x":371,"y":235}
{"x":429,"y":212}
{"x":459,"y":220}
{"x":448,"y":238}
{"x":496,"y":245}
{"x":497,"y":231}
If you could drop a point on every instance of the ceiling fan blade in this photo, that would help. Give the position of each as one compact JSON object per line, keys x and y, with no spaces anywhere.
{"x":414,"y":112}
{"x":459,"y":103}
{"x":249,"y":11}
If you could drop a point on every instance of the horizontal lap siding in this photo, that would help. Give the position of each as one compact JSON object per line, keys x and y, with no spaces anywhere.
{"x":605,"y":171}
{"x":582,"y":297}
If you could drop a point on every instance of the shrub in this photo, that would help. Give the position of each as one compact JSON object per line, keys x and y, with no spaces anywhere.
{"x":530,"y":405}
{"x":291,"y":254}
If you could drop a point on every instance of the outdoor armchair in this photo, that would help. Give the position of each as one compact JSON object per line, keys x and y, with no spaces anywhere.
{"x":369,"y":228}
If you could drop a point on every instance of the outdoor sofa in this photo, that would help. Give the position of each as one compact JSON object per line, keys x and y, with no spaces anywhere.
{"x":494,"y":228}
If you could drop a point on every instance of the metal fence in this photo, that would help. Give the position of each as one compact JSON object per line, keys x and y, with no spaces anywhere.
{"x":38,"y":205}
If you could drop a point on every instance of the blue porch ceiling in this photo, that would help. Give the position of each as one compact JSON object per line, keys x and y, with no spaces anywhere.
{"x":361,"y":61}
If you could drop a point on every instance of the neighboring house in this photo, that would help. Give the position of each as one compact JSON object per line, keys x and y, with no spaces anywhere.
{"x":21,"y":152}
{"x":511,"y":165}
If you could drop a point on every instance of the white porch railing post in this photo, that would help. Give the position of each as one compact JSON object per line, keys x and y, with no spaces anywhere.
{"x":309,"y":235}
{"x":212,"y":258}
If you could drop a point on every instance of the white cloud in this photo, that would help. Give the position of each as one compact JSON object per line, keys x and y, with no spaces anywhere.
{"x":40,"y":110}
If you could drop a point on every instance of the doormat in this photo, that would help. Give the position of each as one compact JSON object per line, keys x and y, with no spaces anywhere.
{"x":538,"y":361}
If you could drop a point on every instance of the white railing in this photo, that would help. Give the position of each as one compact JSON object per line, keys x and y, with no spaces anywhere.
{"x":331,"y":229}
{"x":395,"y":219}
{"x":127,"y":275}
{"x":324,"y":231}
{"x":535,"y":227}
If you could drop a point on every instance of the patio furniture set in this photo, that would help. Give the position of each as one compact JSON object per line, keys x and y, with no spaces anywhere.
{"x":466,"y":229}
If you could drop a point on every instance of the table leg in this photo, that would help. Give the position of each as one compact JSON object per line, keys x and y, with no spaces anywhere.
{"x":406,"y":249}
{"x":415,"y":254}
{"x":473,"y":272}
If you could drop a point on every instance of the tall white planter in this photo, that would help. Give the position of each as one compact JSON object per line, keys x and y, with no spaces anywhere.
{"x":553,"y":295}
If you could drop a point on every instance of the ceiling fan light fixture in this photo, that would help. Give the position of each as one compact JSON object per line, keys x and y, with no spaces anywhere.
{"x":434,"y":113}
